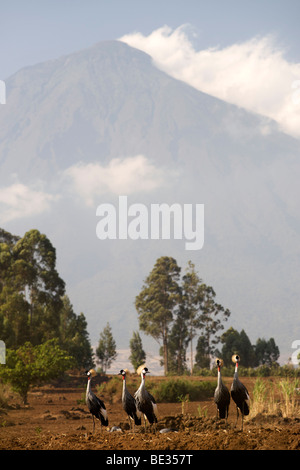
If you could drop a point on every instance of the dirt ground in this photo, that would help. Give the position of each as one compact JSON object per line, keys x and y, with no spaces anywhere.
{"x":56,"y":418}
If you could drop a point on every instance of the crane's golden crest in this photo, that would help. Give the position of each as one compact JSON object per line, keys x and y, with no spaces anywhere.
{"x":93,"y":372}
{"x":235,"y":358}
{"x":140,"y":368}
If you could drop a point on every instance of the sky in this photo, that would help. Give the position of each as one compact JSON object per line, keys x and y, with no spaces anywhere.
{"x":38,"y":30}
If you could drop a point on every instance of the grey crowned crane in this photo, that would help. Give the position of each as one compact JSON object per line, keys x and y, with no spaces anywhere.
{"x":222,"y":395}
{"x":94,"y":404}
{"x":129,"y":404}
{"x":145,"y":402}
{"x":239,"y":393}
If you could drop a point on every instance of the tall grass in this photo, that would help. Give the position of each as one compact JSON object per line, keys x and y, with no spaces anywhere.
{"x":289,"y":405}
{"x":280,"y":398}
{"x":259,"y":397}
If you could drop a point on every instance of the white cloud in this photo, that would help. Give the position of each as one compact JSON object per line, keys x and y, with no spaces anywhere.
{"x":121,"y":176}
{"x":18,"y":201}
{"x":254,"y":74}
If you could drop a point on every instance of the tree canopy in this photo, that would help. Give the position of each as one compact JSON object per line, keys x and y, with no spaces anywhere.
{"x":33,"y":304}
{"x":158,"y":300}
{"x":138,"y":355}
{"x":29,"y":365}
{"x":263,"y":352}
{"x":106,"y":350}
{"x":174,"y":310}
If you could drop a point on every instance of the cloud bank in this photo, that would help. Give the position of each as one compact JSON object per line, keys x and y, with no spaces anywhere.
{"x":86,"y":180}
{"x":121,"y":176}
{"x":254,"y":75}
{"x":19,"y":201}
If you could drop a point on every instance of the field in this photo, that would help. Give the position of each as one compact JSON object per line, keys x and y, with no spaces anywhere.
{"x":56,"y":418}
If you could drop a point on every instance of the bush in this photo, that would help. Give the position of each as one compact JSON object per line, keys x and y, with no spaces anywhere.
{"x":30,"y":365}
{"x":170,"y":391}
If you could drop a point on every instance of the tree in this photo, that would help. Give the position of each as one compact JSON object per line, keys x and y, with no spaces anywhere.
{"x":29,"y":365}
{"x":266,"y":352}
{"x":73,"y":335}
{"x":177,"y":344}
{"x":14,"y":328}
{"x":34,"y":267}
{"x":202,"y":353}
{"x":237,"y":343}
{"x":158,"y":300}
{"x":138,"y":355}
{"x":30,"y":289}
{"x":201,"y":311}
{"x":190,"y":297}
{"x":106,"y":351}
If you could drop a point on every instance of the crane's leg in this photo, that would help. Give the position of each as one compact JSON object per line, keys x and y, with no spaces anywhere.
{"x":93,"y":424}
{"x":237,"y":416}
{"x":242,"y":416}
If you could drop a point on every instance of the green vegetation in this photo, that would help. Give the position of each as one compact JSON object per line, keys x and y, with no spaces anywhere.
{"x":171,"y":391}
{"x":30,"y":365}
{"x":173,"y":311}
{"x":158,"y":300}
{"x":106,"y":350}
{"x":276,"y":398}
{"x":263,"y":352}
{"x":138,"y":355}
{"x":164,"y":391}
{"x":44,"y":336}
{"x":33,"y":304}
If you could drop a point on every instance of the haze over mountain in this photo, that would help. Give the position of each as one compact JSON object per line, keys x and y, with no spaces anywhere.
{"x":86,"y":128}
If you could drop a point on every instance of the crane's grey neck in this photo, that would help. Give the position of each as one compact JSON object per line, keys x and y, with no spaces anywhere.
{"x":88,"y":387}
{"x":219,"y":376}
{"x":124,"y":387}
{"x":143,"y":381}
{"x":124,"y":382}
{"x":236,"y":370}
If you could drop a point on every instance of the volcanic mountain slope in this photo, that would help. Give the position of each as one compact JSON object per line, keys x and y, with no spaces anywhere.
{"x":107,"y":112}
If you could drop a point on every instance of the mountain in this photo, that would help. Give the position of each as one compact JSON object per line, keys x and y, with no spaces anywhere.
{"x":73,"y":130}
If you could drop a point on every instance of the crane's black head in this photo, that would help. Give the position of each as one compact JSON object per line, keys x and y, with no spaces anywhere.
{"x":122,"y":372}
{"x":145,"y":371}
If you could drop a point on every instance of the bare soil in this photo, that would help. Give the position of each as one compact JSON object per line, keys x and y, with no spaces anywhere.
{"x":56,"y":418}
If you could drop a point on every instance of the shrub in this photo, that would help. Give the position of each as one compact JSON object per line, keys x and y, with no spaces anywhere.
{"x":30,"y":365}
{"x":170,"y":391}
